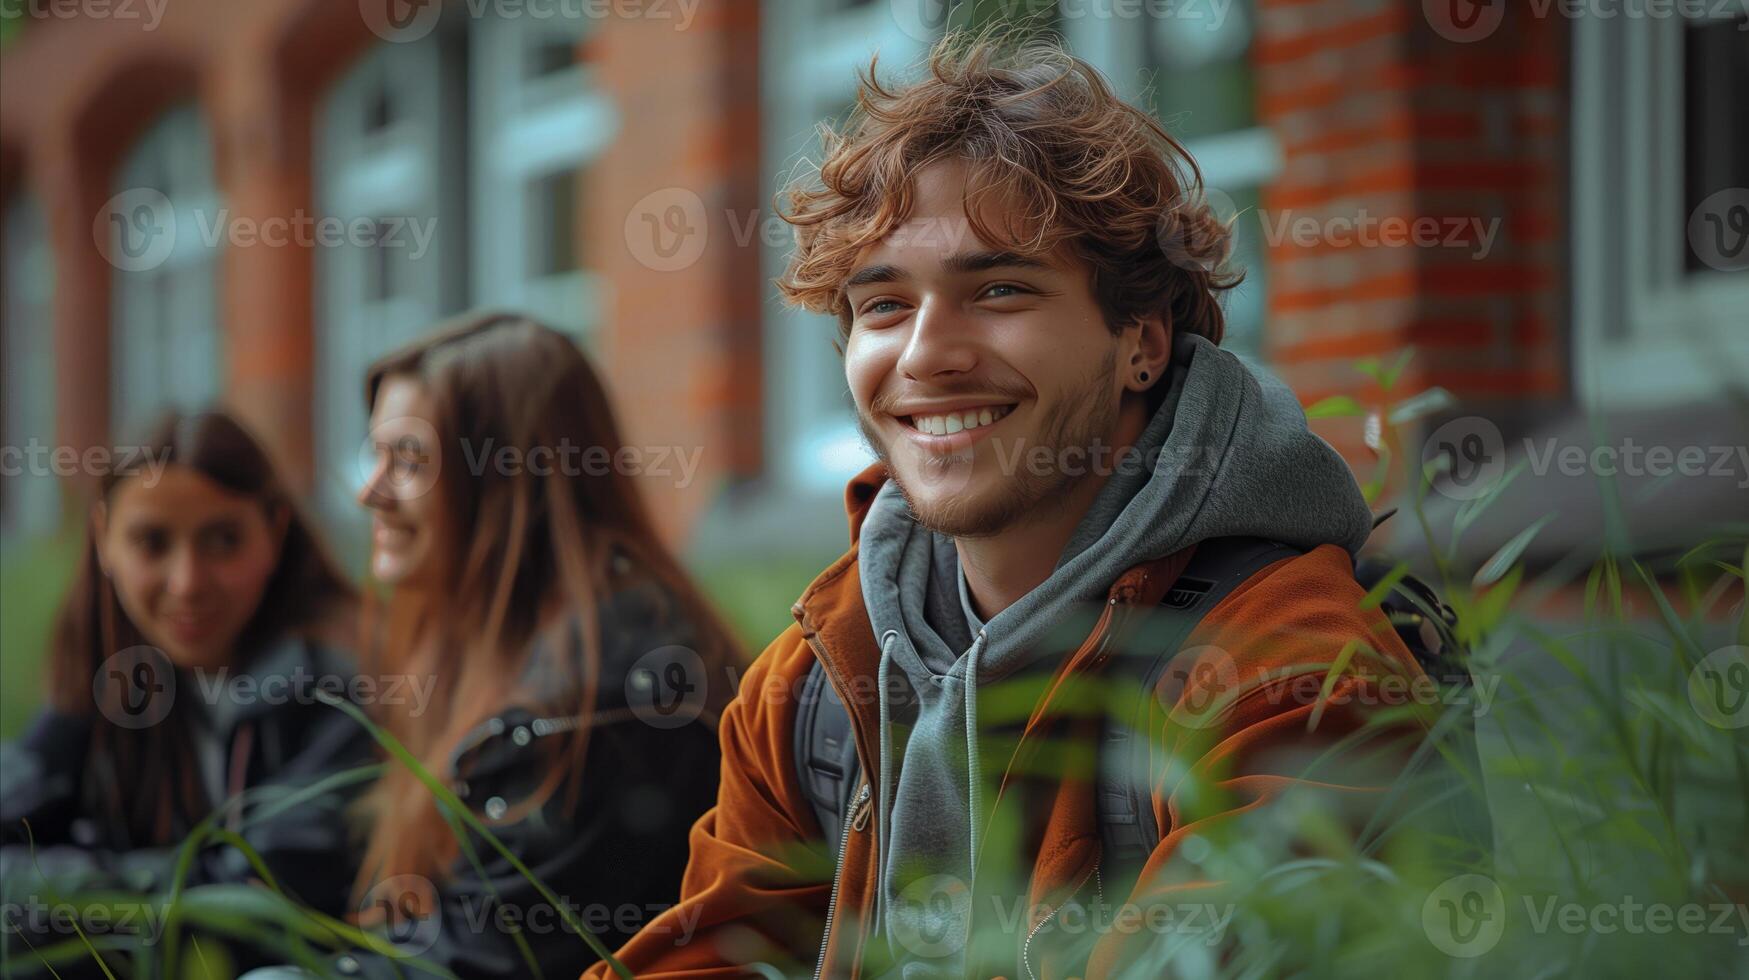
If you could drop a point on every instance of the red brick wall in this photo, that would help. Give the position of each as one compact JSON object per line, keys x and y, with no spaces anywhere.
{"x":1392,"y":110}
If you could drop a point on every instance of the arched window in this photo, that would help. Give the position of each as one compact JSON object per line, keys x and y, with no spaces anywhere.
{"x":168,"y":225}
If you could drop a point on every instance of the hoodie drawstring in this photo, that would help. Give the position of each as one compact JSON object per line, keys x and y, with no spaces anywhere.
{"x":884,"y":801}
{"x":972,"y":770}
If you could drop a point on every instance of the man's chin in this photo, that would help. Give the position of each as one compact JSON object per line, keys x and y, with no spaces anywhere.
{"x":957,"y":505}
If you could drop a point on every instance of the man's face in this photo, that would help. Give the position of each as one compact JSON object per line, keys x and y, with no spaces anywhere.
{"x":972,"y":368}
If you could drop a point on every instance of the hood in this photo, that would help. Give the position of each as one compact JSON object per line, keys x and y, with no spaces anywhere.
{"x":1228,"y":453}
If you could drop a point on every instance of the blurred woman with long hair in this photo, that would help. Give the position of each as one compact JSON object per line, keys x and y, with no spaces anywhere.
{"x":577,"y":670}
{"x":203,"y":617}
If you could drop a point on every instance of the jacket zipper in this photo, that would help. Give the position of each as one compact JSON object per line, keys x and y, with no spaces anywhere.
{"x":859,"y":808}
{"x":1026,"y":948}
{"x":1116,"y":614}
{"x":859,"y":811}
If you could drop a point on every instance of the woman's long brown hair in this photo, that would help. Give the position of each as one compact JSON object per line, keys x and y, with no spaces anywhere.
{"x":145,"y":782}
{"x":515,"y":546}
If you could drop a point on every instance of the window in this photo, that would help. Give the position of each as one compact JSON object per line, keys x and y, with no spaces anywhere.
{"x":469,"y":209}
{"x":29,"y":502}
{"x":538,"y":121}
{"x":1196,"y":73}
{"x":164,"y":347}
{"x":813,"y":60}
{"x":1660,"y":209}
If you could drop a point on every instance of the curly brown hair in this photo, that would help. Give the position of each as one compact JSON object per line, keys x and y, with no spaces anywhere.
{"x":1040,"y":127}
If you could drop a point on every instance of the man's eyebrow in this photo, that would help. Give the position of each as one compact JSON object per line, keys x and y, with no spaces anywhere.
{"x":967,"y":262}
{"x":874,"y":274}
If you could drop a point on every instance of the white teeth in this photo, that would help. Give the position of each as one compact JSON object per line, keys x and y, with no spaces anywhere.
{"x":942,"y":425}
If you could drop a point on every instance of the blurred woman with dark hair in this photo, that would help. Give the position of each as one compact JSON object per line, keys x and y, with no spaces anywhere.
{"x":201,"y":621}
{"x":578,"y":672}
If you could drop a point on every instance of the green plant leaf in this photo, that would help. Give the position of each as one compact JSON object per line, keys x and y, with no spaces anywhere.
{"x":1494,"y":568}
{"x":1336,"y":406}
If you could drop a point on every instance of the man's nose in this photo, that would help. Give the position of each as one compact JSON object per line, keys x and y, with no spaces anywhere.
{"x":942,"y":341}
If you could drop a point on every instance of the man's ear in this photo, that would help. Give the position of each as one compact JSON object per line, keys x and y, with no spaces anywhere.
{"x":1149,"y":353}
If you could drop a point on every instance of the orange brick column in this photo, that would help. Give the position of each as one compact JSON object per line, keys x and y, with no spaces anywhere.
{"x":671,"y":220}
{"x":261,"y":132}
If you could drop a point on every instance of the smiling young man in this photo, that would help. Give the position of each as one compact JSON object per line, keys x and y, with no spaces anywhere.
{"x":1026,"y":285}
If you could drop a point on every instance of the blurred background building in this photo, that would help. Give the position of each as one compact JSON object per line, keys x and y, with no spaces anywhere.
{"x":207,"y":199}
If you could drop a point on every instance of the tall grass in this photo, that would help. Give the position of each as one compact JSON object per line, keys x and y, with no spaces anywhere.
{"x":1580,"y":808}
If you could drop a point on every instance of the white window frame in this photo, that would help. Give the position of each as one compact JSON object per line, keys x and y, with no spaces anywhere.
{"x":32,"y":499}
{"x":517,"y":129}
{"x":812,"y":58}
{"x":1631,"y":296}
{"x":162,"y":359}
{"x":1240,"y":159}
{"x":526,"y":129}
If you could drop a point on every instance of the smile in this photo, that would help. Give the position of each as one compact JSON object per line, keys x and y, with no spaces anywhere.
{"x":948,"y":423}
{"x":936,"y":432}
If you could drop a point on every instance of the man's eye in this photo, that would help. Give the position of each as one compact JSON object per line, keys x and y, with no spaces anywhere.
{"x":881,"y":307}
{"x":994,"y":292}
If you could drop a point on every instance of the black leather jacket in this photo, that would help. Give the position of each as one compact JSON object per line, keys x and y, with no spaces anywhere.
{"x":271,"y":738}
{"x":616,"y":859}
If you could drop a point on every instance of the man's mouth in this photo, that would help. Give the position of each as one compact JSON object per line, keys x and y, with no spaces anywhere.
{"x":937,"y":423}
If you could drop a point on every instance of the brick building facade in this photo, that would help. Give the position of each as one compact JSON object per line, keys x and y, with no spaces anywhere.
{"x":652,"y":236}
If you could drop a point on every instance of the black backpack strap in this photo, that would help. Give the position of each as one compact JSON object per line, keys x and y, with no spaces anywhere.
{"x":1127,"y":828}
{"x":825,"y":752}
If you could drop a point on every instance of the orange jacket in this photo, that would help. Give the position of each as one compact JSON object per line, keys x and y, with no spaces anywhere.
{"x":758,"y":886}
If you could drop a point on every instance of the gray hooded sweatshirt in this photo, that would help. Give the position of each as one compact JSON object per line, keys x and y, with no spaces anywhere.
{"x":1228,"y":453}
